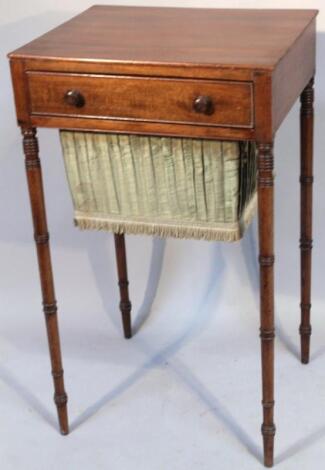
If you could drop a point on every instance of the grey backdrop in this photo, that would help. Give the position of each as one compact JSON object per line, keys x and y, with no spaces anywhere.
{"x":185,"y":392}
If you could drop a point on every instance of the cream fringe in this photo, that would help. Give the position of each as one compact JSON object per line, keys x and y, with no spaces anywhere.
{"x":227,"y":232}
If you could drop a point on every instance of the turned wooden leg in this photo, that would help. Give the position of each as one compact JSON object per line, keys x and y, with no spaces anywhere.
{"x":41,"y":235}
{"x":306,"y":202}
{"x":266,"y":261}
{"x":125,"y":304}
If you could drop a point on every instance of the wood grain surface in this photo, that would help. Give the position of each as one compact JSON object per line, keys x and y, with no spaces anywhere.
{"x":253,"y":38}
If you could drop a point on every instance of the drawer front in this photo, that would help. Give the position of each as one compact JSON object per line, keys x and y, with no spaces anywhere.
{"x":197,"y":102}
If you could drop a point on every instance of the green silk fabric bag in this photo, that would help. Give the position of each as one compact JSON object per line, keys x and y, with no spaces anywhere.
{"x":164,"y":186}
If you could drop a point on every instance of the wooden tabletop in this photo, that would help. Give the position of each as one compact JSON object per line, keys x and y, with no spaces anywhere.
{"x":231,"y":37}
{"x":257,"y":52}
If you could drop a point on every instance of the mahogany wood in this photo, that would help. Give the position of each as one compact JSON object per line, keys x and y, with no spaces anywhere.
{"x":215,"y":74}
{"x":266,"y":260}
{"x":121,"y":97}
{"x":238,"y":45}
{"x":306,"y":202}
{"x":182,"y":36}
{"x":123,"y":282}
{"x":142,"y":127}
{"x":301,"y":56}
{"x":208,"y":71}
{"x":41,"y":236}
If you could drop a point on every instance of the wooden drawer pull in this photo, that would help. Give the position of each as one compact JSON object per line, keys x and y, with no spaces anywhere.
{"x":74,"y":98}
{"x":203,"y":105}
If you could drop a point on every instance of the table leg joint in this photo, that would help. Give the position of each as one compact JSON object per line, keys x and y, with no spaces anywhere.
{"x":42,"y":239}
{"x":267,"y":334}
{"x":50,"y":308}
{"x":57,"y":374}
{"x":60,"y":399}
{"x":305,"y":244}
{"x":268,"y":430}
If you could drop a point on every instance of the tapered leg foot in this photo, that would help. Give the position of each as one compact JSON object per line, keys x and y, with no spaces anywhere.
{"x":306,"y":204}
{"x":125,"y":308}
{"x":61,"y":405}
{"x":266,"y":261}
{"x":268,"y":433}
{"x":305,"y":333}
{"x":125,"y":304}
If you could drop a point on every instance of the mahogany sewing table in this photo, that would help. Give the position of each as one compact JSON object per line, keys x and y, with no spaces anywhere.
{"x":221,"y":74}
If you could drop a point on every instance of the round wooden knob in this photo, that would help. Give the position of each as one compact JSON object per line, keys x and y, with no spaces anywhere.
{"x":203,"y":105}
{"x":74,"y":98}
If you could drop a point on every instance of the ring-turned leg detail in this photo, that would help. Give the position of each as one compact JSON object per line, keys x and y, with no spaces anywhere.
{"x":125,"y":304}
{"x":306,"y":202}
{"x":41,"y":236}
{"x":266,"y":261}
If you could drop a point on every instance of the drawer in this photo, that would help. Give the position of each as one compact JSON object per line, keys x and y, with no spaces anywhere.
{"x":169,"y":100}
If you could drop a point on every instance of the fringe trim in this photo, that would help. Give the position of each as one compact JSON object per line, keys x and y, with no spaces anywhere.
{"x":226,"y":232}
